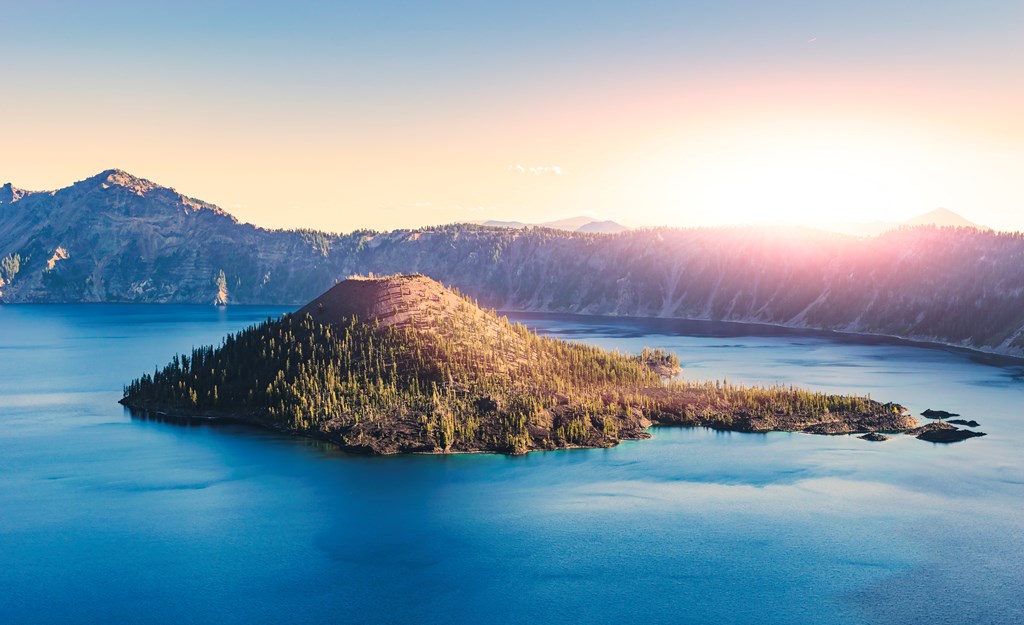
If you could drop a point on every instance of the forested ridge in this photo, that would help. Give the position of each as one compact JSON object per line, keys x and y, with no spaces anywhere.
{"x":454,"y":377}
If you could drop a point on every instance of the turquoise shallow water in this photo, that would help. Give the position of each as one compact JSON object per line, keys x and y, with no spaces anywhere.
{"x":104,"y":518}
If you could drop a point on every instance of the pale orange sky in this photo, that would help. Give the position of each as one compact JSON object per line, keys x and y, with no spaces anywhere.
{"x":666,"y":115}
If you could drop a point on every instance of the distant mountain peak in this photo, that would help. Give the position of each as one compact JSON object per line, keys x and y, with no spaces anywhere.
{"x":940,"y":217}
{"x":10,"y":194}
{"x":943,"y":217}
{"x":119,"y":178}
{"x":580,"y":223}
{"x":602,"y":227}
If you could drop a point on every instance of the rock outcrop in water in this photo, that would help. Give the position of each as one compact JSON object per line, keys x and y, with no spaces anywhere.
{"x":874,"y":436}
{"x":938,"y":414}
{"x":971,"y":424}
{"x":402,"y":364}
{"x":125,"y":239}
{"x":942,"y":432}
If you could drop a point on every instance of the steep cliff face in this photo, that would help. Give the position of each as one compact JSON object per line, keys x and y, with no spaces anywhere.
{"x":115,"y":237}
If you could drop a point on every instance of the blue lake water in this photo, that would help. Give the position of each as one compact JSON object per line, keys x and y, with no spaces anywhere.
{"x":106,"y":519}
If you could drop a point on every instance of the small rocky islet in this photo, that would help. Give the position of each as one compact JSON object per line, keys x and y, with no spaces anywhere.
{"x":401,"y":364}
{"x":971,"y":424}
{"x":938,"y":414}
{"x":874,"y":436}
{"x":942,"y":431}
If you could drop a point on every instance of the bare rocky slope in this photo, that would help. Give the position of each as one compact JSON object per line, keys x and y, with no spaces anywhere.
{"x":114,"y":237}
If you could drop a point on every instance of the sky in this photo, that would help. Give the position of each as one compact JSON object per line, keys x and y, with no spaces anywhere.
{"x":340,"y":115}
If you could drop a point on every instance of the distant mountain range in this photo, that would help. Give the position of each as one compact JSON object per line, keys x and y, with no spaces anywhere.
{"x":572,"y":224}
{"x":941,"y":217}
{"x":117,"y":238}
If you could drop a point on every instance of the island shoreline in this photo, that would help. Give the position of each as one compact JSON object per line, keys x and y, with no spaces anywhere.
{"x":165,"y":416}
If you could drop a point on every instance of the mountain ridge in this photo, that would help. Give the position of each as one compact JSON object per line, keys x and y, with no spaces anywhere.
{"x":943,"y":217}
{"x":570,"y":224}
{"x":939,"y":217}
{"x":133,"y":243}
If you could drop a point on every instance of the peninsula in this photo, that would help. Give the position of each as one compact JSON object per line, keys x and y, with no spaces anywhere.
{"x":402,"y":364}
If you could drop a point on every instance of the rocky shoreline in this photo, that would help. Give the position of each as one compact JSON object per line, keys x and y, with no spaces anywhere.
{"x":405,"y":440}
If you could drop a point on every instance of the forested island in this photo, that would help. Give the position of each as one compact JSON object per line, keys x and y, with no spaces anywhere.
{"x":402,"y":364}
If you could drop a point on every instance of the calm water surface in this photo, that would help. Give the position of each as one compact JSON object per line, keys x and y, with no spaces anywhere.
{"x":104,"y":518}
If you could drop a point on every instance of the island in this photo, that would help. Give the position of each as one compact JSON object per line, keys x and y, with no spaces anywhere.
{"x":942,"y":432}
{"x":402,"y":364}
{"x":938,"y":414}
{"x":971,"y":424}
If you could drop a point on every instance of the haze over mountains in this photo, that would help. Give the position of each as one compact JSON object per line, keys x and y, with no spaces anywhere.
{"x":117,"y":238}
{"x":941,"y":217}
{"x":572,"y":224}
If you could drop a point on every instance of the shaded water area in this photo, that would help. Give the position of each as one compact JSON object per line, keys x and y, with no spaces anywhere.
{"x":105,"y":518}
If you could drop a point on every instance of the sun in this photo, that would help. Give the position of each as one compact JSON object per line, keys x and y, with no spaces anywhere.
{"x":807,"y":179}
{"x":793,"y":174}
